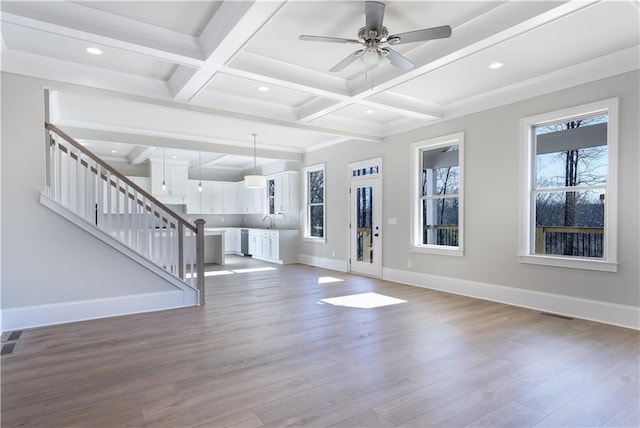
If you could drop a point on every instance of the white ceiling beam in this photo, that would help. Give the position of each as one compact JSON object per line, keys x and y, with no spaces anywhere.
{"x":140,"y":154}
{"x":186,"y":53}
{"x":231,"y":27}
{"x":210,"y":159}
{"x":317,"y":107}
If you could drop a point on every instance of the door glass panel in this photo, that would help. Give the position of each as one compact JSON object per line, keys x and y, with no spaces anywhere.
{"x":364,"y":222}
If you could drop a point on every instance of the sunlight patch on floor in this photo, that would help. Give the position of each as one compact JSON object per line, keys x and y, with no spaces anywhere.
{"x":248,"y":270}
{"x":231,"y":272}
{"x":328,"y":279}
{"x":363,"y":300}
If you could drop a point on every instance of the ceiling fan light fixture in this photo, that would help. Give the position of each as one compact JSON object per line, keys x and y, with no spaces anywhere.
{"x":370,"y":57}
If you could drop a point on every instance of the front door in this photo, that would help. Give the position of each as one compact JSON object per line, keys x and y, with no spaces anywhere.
{"x":365,"y":226}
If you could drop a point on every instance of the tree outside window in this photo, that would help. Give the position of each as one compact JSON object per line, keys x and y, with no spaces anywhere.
{"x":569,"y":187}
{"x":437,"y":223}
{"x":314,"y":214}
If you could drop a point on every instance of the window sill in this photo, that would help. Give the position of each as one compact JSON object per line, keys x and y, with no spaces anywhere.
{"x":439,"y":250}
{"x":574,"y":263}
{"x":314,"y":240}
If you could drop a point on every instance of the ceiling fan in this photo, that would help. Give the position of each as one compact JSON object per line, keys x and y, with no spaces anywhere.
{"x":373,"y":35}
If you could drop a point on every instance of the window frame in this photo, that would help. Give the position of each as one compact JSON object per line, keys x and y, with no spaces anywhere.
{"x":306,"y":214}
{"x":528,"y":188}
{"x":416,"y":245}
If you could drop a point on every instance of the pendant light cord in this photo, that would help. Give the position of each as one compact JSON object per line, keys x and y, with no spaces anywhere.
{"x":254,"y":155}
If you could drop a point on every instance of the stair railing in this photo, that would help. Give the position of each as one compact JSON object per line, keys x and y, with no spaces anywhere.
{"x":94,"y":191}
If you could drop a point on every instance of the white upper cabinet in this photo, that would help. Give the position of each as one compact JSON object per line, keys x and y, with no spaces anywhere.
{"x":250,"y":201}
{"x":282,"y":193}
{"x":229,"y":197}
{"x":174,"y":174}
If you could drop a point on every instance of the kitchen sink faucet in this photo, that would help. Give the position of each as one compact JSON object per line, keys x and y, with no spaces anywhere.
{"x":270,"y":221}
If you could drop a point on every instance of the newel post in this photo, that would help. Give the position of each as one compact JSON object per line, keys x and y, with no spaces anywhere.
{"x":200,"y":258}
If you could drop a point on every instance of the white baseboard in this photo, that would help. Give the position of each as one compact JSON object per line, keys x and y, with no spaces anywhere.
{"x":82,"y":310}
{"x":594,"y":310}
{"x":332,"y":264}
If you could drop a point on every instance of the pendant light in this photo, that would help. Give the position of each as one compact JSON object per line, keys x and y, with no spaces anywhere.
{"x":200,"y":171}
{"x":164,"y":183}
{"x":255,"y":181}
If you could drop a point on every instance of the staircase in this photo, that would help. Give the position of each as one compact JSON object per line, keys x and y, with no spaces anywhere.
{"x":91,"y":194}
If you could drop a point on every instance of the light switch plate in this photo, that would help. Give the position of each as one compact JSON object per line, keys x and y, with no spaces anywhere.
{"x":392,"y":220}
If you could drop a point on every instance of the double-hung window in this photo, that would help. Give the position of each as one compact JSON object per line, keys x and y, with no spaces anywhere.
{"x":438,"y":170}
{"x":314,"y":198}
{"x":569,"y":195}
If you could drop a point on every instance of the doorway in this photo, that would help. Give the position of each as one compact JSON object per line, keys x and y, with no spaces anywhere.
{"x":365,"y":218}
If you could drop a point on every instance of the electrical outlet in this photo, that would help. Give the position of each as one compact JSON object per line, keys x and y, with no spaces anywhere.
{"x":333,"y":253}
{"x":409,"y":264}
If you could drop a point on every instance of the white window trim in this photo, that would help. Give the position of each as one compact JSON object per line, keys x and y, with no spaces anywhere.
{"x":609,"y":262}
{"x":306,"y":235}
{"x":416,"y":216}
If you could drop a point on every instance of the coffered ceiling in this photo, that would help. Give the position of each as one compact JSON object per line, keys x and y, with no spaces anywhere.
{"x":204,"y":75}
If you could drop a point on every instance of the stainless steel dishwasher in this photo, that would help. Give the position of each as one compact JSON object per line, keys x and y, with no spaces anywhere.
{"x":244,"y":241}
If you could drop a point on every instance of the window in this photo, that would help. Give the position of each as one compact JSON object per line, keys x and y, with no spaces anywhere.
{"x":314,"y":197}
{"x":438,"y":195}
{"x":569,"y":192}
{"x":271,"y":196}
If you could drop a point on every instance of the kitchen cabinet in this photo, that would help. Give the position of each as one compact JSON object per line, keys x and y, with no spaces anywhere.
{"x":271,"y":245}
{"x":250,"y":201}
{"x":232,"y":243}
{"x":277,"y":246}
{"x":217,"y":197}
{"x":197,"y":201}
{"x":282,"y":193}
{"x":229,"y":195}
{"x":255,"y":243}
{"x":174,"y":173}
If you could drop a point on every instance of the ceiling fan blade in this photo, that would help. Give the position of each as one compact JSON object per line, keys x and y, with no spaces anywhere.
{"x":421,"y":35}
{"x":398,"y":60}
{"x":347,"y":61}
{"x":374,"y":14}
{"x":327,"y":39}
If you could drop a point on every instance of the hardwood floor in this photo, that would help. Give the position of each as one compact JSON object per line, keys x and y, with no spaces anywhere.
{"x":267,"y":351}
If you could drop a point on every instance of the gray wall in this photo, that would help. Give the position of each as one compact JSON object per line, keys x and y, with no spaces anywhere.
{"x":492,"y":198}
{"x":46,"y":259}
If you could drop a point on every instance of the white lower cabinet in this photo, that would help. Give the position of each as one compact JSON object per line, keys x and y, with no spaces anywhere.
{"x":278,"y":246}
{"x":255,"y":243}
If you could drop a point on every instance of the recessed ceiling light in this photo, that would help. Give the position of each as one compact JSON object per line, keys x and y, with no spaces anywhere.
{"x":263,"y":88}
{"x":114,"y":151}
{"x":174,"y":157}
{"x":94,"y":51}
{"x":369,"y":111}
{"x":496,"y":65}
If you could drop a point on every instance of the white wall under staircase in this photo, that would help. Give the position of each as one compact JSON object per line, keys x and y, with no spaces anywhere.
{"x":52,"y":271}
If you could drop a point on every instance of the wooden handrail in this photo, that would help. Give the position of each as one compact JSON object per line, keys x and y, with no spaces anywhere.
{"x":121,"y":189}
{"x":120,"y":176}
